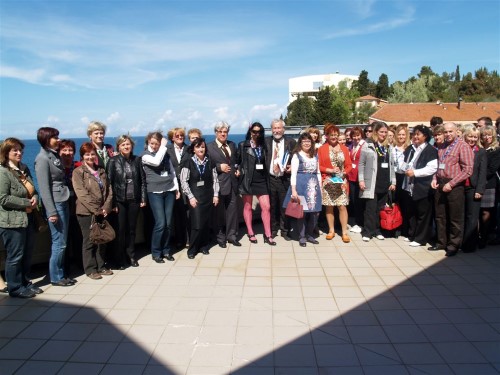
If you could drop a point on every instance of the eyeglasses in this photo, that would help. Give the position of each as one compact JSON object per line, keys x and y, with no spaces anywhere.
{"x":333,"y":135}
{"x":255,"y":131}
{"x":368,"y":130}
{"x":179,"y":136}
{"x":222,"y":131}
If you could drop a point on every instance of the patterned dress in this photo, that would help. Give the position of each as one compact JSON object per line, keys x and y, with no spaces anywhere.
{"x":335,"y":194}
{"x":308,"y":184}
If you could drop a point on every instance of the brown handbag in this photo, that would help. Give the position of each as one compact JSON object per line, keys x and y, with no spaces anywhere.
{"x":101,"y":231}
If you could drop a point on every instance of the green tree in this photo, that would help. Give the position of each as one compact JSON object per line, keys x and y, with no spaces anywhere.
{"x":414,"y":91}
{"x":426,"y":71}
{"x":323,"y":106}
{"x":363,"y":83}
{"x":301,"y":112}
{"x":382,"y":89}
{"x":457,"y":74}
{"x":362,"y":113}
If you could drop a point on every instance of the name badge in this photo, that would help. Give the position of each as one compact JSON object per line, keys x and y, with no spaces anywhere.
{"x":442,"y":165}
{"x":259,"y":166}
{"x":405,"y":166}
{"x":200,"y":183}
{"x":353,"y":165}
{"x":385,"y":165}
{"x":164,"y":174}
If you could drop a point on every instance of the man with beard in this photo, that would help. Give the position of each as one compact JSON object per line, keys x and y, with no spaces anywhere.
{"x":279,"y":148}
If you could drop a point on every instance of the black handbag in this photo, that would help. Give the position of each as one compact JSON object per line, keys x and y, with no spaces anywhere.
{"x":39,"y":220}
{"x":101,"y":231}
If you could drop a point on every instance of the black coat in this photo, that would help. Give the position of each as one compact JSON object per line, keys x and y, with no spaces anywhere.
{"x":493,"y":162}
{"x":478,"y":178}
{"x":246,"y":161}
{"x":116,"y":175}
{"x":422,"y":185}
{"x":289,"y":146}
{"x":173,"y":158}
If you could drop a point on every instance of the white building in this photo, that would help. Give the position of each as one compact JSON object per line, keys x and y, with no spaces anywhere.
{"x":310,"y":85}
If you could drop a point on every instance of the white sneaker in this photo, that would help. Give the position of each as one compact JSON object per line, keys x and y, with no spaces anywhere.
{"x":355,"y":229}
{"x":366,"y":239}
{"x":405,"y":239}
{"x":380,"y":237}
{"x":414,"y":244}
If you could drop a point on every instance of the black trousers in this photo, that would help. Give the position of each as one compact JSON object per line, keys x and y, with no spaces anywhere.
{"x":372,"y":214}
{"x":278,"y":187}
{"x":471,"y":223}
{"x":227,"y":217}
{"x":419,"y":217}
{"x":127,"y":222}
{"x":356,"y":204}
{"x":92,"y":255}
{"x":449,"y":217}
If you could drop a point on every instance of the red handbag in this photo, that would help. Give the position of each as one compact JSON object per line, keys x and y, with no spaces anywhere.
{"x":390,"y":216}
{"x":294,"y":209}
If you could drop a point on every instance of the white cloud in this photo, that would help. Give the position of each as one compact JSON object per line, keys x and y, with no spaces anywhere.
{"x":385,"y":25}
{"x":167,"y":116}
{"x":52,"y":119}
{"x":112,"y":118}
{"x":195,"y":115}
{"x":364,"y":8}
{"x":28,"y":75}
{"x":85,"y":120}
{"x":221,"y":112}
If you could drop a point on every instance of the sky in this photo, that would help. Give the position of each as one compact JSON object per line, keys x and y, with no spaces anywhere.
{"x":141,"y":66}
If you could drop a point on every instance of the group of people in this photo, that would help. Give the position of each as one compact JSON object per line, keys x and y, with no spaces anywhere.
{"x":443,"y":177}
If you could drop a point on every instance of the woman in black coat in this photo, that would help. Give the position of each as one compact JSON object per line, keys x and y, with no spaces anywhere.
{"x":252,"y":164}
{"x":474,"y":190}
{"x":200,"y":185}
{"x":420,"y":164}
{"x":127,"y":180}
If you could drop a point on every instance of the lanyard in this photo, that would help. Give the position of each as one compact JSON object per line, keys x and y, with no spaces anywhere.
{"x":381,"y":151}
{"x":258,"y":153}
{"x":448,"y":150}
{"x":201,"y":167}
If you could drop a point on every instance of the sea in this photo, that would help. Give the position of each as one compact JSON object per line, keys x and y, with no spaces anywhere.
{"x":32,"y":148}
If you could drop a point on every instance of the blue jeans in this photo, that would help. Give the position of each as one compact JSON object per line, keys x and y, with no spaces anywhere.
{"x":14,"y":240}
{"x":162,"y":205}
{"x":59,"y":236}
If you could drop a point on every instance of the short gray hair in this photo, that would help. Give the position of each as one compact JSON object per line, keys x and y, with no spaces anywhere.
{"x":221,"y":125}
{"x":278,"y":121}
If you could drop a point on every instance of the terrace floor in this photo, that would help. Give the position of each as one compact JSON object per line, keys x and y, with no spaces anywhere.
{"x":380,"y":307}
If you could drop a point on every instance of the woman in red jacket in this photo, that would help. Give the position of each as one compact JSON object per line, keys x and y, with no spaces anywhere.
{"x":334,"y":165}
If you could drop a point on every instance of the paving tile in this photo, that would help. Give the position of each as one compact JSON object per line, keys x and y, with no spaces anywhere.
{"x":442,"y":332}
{"x":114,"y":369}
{"x":471,"y":368}
{"x":39,"y":367}
{"x":94,"y":352}
{"x":336,"y":355}
{"x":479,"y":332}
{"x":404,"y":333}
{"x":418,"y":353}
{"x":295,"y":356}
{"x":377,"y":355}
{"x":40,"y":330}
{"x":212,"y":355}
{"x":20,"y":348}
{"x":72,"y":368}
{"x":56,"y":351}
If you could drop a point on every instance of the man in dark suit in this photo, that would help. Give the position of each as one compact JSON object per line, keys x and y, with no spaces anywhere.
{"x":223,"y":153}
{"x":177,"y":150}
{"x":279,"y":148}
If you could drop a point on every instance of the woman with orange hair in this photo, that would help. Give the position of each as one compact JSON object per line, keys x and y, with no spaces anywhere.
{"x":334,"y":165}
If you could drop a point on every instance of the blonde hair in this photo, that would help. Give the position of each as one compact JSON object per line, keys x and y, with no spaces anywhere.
{"x":407,"y":132}
{"x":175,"y":131}
{"x":471,"y":129}
{"x":95,"y":125}
{"x":490,"y":129}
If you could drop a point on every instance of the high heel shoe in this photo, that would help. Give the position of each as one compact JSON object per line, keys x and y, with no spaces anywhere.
{"x":250,"y":236}
{"x":269,"y":240}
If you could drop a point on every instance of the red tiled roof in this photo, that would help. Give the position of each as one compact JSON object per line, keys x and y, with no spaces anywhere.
{"x":422,"y":112}
{"x":366,"y":97}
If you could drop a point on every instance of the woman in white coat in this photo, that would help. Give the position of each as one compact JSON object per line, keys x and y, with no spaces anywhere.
{"x":376,"y":178}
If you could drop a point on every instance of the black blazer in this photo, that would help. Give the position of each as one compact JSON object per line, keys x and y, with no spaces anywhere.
{"x":493,"y":162}
{"x":478,"y":178}
{"x":246,"y":162}
{"x":173,"y":158}
{"x":289,"y":146}
{"x":422,"y":185}
{"x":227,"y":181}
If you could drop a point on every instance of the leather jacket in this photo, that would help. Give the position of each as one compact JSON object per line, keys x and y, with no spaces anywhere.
{"x":116,"y":175}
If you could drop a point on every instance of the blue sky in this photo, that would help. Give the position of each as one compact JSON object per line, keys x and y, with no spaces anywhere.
{"x":140,"y":66}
